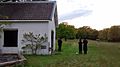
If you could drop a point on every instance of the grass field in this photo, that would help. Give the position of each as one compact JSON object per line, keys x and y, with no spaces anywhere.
{"x":100,"y":54}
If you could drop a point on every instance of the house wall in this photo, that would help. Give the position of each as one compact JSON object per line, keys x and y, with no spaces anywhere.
{"x":51,"y":26}
{"x":37,"y":28}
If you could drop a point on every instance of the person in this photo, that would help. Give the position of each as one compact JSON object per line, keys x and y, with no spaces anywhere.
{"x":80,"y":46}
{"x":85,"y":42}
{"x":59,"y":44}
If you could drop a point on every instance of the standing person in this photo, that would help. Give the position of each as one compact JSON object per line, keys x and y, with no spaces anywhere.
{"x":85,"y":42}
{"x":59,"y":44}
{"x":80,"y":46}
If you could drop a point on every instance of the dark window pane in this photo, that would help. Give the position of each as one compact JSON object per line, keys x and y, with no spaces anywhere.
{"x":10,"y":38}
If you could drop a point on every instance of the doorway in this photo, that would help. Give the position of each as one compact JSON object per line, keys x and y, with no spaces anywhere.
{"x":52,"y":40}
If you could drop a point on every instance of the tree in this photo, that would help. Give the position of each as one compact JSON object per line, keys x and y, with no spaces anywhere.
{"x":83,"y":32}
{"x":34,"y":42}
{"x":93,"y":34}
{"x":110,"y":34}
{"x":114,"y":34}
{"x":87,"y":32}
{"x":66,"y":31}
{"x":103,"y":34}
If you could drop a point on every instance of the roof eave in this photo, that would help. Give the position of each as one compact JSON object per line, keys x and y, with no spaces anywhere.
{"x":21,"y":20}
{"x":53,"y":11}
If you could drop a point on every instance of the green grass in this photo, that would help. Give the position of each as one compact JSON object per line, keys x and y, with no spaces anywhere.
{"x":100,"y":54}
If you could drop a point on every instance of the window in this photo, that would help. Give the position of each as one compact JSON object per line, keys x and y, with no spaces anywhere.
{"x":10,"y":38}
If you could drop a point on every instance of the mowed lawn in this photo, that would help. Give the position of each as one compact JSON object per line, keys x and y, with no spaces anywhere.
{"x":100,"y":54}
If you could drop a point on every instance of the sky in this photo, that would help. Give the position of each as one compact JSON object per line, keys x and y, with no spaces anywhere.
{"x":97,"y":14}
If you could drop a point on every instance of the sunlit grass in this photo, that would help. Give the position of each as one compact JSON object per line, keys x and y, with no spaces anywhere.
{"x":100,"y":54}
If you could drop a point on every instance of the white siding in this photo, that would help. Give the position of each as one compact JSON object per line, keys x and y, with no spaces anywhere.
{"x":37,"y":28}
{"x":52,"y":28}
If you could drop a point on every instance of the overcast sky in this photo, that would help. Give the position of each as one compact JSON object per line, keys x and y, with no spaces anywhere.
{"x":97,"y":14}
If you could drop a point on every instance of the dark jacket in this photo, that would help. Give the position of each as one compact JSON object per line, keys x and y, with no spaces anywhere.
{"x":59,"y":42}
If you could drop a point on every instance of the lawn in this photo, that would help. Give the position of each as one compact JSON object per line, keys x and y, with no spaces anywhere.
{"x":100,"y":54}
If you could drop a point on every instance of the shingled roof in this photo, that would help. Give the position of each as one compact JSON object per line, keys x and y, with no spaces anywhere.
{"x":27,"y":11}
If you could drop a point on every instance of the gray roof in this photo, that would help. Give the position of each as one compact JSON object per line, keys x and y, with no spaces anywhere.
{"x":28,"y":11}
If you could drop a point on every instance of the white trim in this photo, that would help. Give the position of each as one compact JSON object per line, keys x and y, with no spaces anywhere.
{"x":10,"y":29}
{"x":53,"y":11}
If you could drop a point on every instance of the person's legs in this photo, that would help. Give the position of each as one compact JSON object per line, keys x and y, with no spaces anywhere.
{"x":80,"y":52}
{"x":85,"y":49}
{"x":80,"y":49}
{"x":59,"y":47}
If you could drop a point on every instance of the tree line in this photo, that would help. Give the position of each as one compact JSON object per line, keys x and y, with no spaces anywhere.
{"x":66,"y":31}
{"x":111,"y":34}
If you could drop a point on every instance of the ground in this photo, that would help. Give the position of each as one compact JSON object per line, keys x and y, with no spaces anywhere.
{"x":100,"y":54}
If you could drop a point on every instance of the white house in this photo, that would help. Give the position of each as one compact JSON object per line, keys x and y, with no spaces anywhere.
{"x":39,"y":17}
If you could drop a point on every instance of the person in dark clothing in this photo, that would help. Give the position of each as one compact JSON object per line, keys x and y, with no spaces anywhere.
{"x":80,"y":46}
{"x":59,"y":44}
{"x":85,"y":42}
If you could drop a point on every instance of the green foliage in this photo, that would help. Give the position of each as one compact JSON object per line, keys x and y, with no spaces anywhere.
{"x":34,"y":42}
{"x":5,"y":23}
{"x":2,"y":24}
{"x":65,"y":31}
{"x":69,"y":32}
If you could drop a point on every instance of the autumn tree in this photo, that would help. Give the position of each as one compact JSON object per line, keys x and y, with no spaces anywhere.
{"x":83,"y":32}
{"x":114,"y":34}
{"x":103,"y":34}
{"x":87,"y":32}
{"x":93,"y":34}
{"x":110,"y":34}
